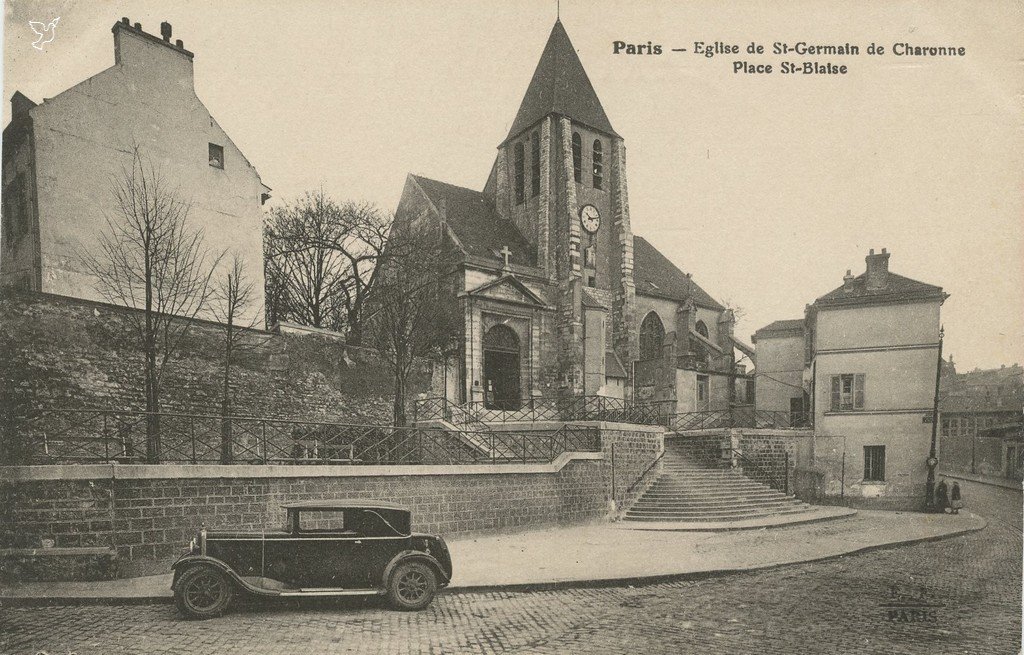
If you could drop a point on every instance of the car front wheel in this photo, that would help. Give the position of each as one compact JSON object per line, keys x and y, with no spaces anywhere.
{"x":203,"y":592}
{"x":412,"y":586}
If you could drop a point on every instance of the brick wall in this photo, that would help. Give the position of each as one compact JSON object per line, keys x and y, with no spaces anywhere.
{"x":768,"y":458}
{"x":149,"y":520}
{"x":636,"y":447}
{"x":148,"y":513}
{"x":68,"y":353}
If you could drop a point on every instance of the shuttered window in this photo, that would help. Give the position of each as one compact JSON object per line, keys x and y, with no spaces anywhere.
{"x":577,"y":157}
{"x":847,"y":392}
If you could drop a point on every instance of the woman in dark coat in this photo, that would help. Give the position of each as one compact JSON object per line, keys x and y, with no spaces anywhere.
{"x":955,"y":502}
{"x":941,"y":497}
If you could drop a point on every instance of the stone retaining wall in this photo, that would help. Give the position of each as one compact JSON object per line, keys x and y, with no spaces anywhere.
{"x":148,"y":513}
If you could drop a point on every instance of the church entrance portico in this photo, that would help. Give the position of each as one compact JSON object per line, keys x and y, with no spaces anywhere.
{"x":502,"y":363}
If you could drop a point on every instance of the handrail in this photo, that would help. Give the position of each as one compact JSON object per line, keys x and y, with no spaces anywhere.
{"x":644,"y":474}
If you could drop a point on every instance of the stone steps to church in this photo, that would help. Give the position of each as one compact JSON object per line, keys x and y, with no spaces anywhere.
{"x":712,"y":517}
{"x":718,"y":511}
{"x":712,"y":507}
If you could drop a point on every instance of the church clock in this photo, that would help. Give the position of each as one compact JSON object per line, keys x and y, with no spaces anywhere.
{"x":590,"y":218}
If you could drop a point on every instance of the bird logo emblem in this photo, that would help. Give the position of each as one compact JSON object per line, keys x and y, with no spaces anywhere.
{"x":46,"y":32}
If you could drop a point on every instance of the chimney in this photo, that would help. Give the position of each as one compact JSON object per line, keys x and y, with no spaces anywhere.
{"x":135,"y":47}
{"x":848,"y":281}
{"x":878,"y":269}
{"x":20,"y":104}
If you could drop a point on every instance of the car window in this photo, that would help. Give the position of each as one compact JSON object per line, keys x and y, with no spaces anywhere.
{"x":322,"y":521}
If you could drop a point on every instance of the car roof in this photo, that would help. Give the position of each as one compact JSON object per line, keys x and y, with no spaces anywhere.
{"x":353,"y":503}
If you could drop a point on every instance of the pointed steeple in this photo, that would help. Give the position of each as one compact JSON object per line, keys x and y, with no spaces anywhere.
{"x":560,"y":86}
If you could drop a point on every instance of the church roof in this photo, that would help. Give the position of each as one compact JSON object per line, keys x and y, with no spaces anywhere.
{"x":655,"y":275}
{"x":471,"y":216}
{"x":560,"y":86}
{"x":896,"y":289}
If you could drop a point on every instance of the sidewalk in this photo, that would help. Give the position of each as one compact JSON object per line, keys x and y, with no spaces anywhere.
{"x":1005,"y":483}
{"x":592,"y":555}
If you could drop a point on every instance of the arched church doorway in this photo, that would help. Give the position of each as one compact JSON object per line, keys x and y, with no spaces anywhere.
{"x":501,"y":368}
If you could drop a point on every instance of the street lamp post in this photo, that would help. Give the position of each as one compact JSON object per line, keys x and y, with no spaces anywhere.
{"x":933,"y":461}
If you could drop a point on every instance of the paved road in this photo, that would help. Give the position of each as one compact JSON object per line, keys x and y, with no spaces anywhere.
{"x":972,"y":583}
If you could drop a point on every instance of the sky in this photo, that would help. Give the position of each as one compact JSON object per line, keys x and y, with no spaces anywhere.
{"x":766,"y":187}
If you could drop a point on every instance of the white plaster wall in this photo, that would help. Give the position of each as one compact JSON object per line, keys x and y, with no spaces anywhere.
{"x":779,"y":371}
{"x":84,"y":138}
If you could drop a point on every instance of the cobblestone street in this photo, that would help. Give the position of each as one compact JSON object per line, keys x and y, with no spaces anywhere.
{"x":970,"y":584}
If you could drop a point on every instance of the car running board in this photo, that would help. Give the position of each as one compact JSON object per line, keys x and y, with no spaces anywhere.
{"x":327,"y":591}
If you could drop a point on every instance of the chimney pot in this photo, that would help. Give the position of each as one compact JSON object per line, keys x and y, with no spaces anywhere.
{"x":179,"y":43}
{"x":138,"y":26}
{"x":165,"y":30}
{"x":125,"y":21}
{"x":877,"y":269}
{"x":848,"y":281}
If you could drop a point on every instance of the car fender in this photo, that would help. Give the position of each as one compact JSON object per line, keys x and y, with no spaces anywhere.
{"x":416,"y":556}
{"x":205,"y":560}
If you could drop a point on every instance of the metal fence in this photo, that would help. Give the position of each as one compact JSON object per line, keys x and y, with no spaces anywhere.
{"x":741,"y":417}
{"x":577,"y":408}
{"x":52,"y":436}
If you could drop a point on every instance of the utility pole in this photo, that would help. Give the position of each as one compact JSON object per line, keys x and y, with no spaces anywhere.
{"x":929,"y":489}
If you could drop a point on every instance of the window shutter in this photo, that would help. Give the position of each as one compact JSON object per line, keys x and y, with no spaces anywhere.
{"x":858,"y":391}
{"x":835,"y":393}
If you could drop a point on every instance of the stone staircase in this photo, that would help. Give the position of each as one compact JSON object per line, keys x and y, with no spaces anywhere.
{"x":691,"y":489}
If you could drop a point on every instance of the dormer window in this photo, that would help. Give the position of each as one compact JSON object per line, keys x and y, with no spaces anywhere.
{"x":598,"y":165}
{"x":216,"y":156}
{"x":577,"y":157}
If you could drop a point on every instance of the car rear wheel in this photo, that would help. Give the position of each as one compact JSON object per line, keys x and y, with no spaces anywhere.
{"x":412,"y":586}
{"x":203,"y":592}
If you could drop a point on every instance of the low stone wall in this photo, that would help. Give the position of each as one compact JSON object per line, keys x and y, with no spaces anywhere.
{"x":148,"y":513}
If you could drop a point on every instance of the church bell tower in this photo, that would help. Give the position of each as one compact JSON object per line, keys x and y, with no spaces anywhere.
{"x":560,"y":177}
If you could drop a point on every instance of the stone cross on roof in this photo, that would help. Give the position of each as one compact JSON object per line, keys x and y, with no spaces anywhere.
{"x":506,"y":253}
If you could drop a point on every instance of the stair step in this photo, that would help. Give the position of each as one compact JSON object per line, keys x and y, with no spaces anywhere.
{"x":714,"y":509}
{"x":736,"y":512}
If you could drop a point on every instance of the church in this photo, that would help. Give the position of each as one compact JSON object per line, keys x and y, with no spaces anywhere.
{"x":559,"y":297}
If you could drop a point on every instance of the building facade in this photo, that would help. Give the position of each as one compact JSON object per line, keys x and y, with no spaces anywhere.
{"x":868,"y":363}
{"x":558,"y":297}
{"x":982,"y":421}
{"x":62,"y":158}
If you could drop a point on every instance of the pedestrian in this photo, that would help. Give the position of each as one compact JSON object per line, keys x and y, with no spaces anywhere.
{"x":955,"y":501}
{"x":941,"y":496}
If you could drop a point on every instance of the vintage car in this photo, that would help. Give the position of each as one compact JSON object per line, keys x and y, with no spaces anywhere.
{"x":327,"y":548}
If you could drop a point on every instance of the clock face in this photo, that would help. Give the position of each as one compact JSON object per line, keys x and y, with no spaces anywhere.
{"x":590,"y":218}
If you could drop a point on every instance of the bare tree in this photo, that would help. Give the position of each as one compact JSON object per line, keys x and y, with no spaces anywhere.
{"x":233,"y":296}
{"x":321,"y":261}
{"x":150,"y":258}
{"x":414,"y":314}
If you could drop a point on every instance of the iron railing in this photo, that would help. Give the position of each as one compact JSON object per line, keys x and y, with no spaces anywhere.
{"x":576,"y":408}
{"x":52,"y":436}
{"x":740,"y":417}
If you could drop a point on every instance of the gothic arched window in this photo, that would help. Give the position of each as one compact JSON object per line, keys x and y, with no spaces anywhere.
{"x":701,"y":329}
{"x":598,"y":165}
{"x":577,"y":157}
{"x":652,"y":337}
{"x":520,"y":174}
{"x":535,"y":167}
